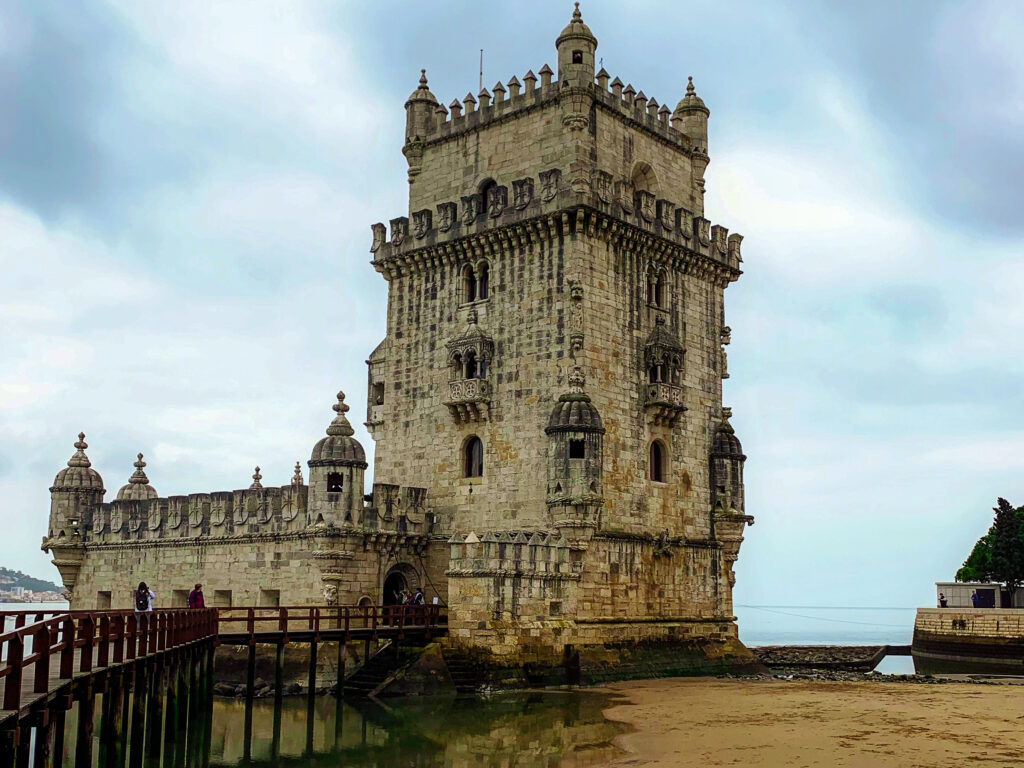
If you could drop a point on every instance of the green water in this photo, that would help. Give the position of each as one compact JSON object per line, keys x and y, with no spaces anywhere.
{"x":538,"y":729}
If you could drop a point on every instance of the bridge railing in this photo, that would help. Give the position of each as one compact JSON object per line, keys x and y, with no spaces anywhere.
{"x":89,"y":639}
{"x":332,"y":620}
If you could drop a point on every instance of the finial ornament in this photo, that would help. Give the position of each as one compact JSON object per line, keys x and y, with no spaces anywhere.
{"x":577,"y":379}
{"x":79,"y":459}
{"x":139,"y":475}
{"x":256,"y":477}
{"x":423,"y":79}
{"x":576,"y":15}
{"x":297,"y":477}
{"x":340,"y":425}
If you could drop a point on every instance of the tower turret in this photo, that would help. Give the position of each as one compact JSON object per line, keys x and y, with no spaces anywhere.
{"x":575,"y":454}
{"x":576,"y":48}
{"x":727,"y":468}
{"x":419,"y":110}
{"x":691,"y":118}
{"x":336,"y":470}
{"x":138,"y":487}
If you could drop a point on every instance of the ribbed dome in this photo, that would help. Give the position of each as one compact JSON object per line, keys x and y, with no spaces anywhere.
{"x":138,"y":487}
{"x":79,"y":472}
{"x":422,"y":93}
{"x":725,"y":444}
{"x":691,"y":101}
{"x":576,"y":28}
{"x":574,"y":412}
{"x":339,"y":448}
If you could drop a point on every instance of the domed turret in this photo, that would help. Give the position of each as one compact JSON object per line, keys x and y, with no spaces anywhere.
{"x":691,"y":118}
{"x":79,"y":472}
{"x":336,"y":469}
{"x":419,"y":110}
{"x":138,"y":487}
{"x":726,"y":467}
{"x":576,"y":48}
{"x":574,"y":412}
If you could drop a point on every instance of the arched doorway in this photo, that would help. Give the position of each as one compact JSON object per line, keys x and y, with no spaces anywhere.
{"x":401,"y":576}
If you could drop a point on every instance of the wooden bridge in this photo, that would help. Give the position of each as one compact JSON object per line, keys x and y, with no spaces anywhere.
{"x":160,"y":665}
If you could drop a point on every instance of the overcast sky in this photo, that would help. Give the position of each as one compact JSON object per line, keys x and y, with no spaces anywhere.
{"x":186,"y":190}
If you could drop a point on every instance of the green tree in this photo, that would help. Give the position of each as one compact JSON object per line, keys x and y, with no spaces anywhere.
{"x":979,"y":565}
{"x":1007,"y":546}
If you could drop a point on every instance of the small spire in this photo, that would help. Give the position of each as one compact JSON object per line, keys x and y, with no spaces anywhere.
{"x":423,"y":79}
{"x":256,"y":477}
{"x":80,"y":459}
{"x":139,"y":475}
{"x":576,"y":15}
{"x":690,"y":90}
{"x":297,"y":477}
{"x":340,"y":425}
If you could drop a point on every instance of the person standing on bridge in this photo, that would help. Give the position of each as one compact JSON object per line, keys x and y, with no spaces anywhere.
{"x":195,"y":597}
{"x":144,"y":598}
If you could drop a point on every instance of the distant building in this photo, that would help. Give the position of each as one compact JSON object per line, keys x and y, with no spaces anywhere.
{"x":990,"y":595}
{"x":553,"y":459}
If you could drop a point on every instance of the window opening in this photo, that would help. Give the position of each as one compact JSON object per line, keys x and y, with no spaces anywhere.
{"x":469,"y":281}
{"x":474,"y":457}
{"x":378,"y":393}
{"x":335,"y":482}
{"x":483,"y":287}
{"x":577,"y":57}
{"x":577,"y":449}
{"x":657,"y":462}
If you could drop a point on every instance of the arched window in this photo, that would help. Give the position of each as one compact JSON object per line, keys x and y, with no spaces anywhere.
{"x":471,"y":370}
{"x":468,"y":285}
{"x":677,"y":364}
{"x":656,"y":288}
{"x":473,"y":457}
{"x":483,"y":281}
{"x":656,"y":465}
{"x":654,"y":374}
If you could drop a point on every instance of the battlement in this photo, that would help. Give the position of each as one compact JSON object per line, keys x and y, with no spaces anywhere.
{"x":535,"y":555}
{"x":542,"y":206}
{"x":515,"y":99}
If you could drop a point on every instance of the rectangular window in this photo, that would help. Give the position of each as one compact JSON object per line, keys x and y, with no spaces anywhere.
{"x":378,"y":393}
{"x":270,"y":598}
{"x":222,"y":598}
{"x":577,"y":449}
{"x":103,"y":601}
{"x":179,"y":598}
{"x":335,"y":482}
{"x":555,"y":608}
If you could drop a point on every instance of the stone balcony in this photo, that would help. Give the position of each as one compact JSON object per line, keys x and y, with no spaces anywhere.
{"x":469,"y":400}
{"x":663,"y":403}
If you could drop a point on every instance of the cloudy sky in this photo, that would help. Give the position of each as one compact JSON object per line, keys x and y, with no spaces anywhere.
{"x":186,"y":190}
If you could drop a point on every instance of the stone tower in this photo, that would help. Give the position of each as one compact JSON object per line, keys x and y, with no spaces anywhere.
{"x":553,"y":364}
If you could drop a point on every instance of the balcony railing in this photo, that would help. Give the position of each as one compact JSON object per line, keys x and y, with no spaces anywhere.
{"x":469,"y":399}
{"x":664,"y":402}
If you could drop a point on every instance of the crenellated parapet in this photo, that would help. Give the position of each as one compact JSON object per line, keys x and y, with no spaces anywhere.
{"x":523,"y":554}
{"x":543,"y":208}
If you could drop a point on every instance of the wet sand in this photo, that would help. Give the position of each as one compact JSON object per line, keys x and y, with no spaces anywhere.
{"x":711,"y":722}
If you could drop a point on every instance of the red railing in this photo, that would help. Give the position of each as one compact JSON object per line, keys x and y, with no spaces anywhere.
{"x":101,"y":638}
{"x":316,"y":620}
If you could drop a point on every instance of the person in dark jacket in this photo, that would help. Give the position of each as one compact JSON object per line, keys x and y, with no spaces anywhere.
{"x":195,"y":597}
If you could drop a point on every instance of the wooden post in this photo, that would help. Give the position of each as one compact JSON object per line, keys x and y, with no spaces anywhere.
{"x":112,"y":727}
{"x":42,"y":757}
{"x":12,"y":684}
{"x":137,"y":741}
{"x":312,"y":667}
{"x":23,"y":753}
{"x":154,"y":713}
{"x":184,"y":700}
{"x":7,"y":745}
{"x":57,"y":718}
{"x":339,"y":689}
{"x":83,"y":742}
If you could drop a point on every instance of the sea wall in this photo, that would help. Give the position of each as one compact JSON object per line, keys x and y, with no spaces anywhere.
{"x":986,"y":636}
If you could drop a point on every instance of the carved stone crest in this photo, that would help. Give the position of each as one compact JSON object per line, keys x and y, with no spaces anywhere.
{"x":116,"y":519}
{"x":720,"y":236}
{"x":497,"y":201}
{"x":421,"y":222}
{"x":522,"y":193}
{"x":330,"y":593}
{"x":470,"y":208}
{"x":624,"y":195}
{"x":399,"y":230}
{"x":446,"y":214}
{"x":603,"y":186}
{"x":218,"y":512}
{"x":703,"y":231}
{"x":549,"y":181}
{"x":195,"y":513}
{"x":380,"y":233}
{"x":666,"y":213}
{"x":645,"y":205}
{"x":684,"y":223}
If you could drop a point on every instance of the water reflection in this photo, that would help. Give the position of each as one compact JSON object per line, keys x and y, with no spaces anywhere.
{"x":542,"y":729}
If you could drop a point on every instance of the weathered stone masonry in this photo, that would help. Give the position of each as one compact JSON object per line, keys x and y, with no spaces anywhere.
{"x":552,"y":454}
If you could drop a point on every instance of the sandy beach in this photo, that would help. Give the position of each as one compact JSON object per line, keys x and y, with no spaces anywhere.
{"x":711,"y":722}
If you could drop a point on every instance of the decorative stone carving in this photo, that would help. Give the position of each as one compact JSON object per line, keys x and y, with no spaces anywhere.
{"x":645,"y":205}
{"x":399,"y":230}
{"x":497,"y":201}
{"x":720,"y":237}
{"x":522,"y":193}
{"x":116,"y":519}
{"x":380,"y":233}
{"x":684,"y":223}
{"x":603,"y":186}
{"x":575,"y":319}
{"x":447,"y":213}
{"x":470,"y":208}
{"x":549,"y":181}
{"x":421,"y":222}
{"x":624,"y":195}
{"x":703,"y":231}
{"x":195,"y":512}
{"x":330,"y":593}
{"x":666,"y":214}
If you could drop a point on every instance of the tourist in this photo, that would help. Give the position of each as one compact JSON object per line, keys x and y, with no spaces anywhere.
{"x":974,"y":598}
{"x":419,"y":599}
{"x":195,"y":597}
{"x":943,"y":603}
{"x":144,"y":598}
